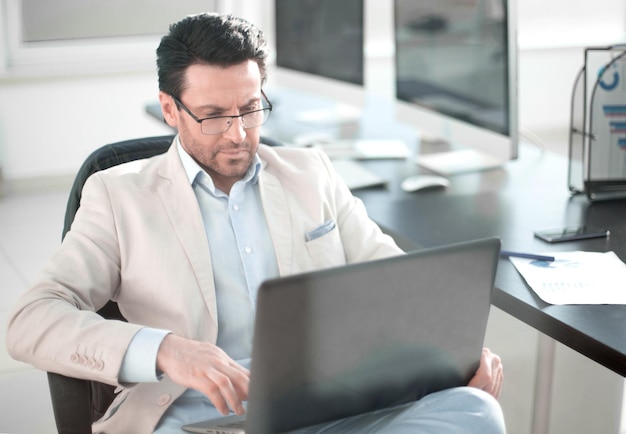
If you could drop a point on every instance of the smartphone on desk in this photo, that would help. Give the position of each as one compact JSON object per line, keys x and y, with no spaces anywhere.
{"x":570,"y":233}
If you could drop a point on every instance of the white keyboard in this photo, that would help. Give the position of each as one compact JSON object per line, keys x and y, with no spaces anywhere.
{"x":356,"y":176}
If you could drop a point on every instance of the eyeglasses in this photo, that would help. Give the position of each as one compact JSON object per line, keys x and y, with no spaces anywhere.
{"x":221,"y":124}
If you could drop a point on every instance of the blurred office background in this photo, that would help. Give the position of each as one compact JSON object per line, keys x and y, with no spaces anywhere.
{"x":65,"y":90}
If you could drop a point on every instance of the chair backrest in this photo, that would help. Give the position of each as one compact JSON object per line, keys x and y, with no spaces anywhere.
{"x":78,"y":403}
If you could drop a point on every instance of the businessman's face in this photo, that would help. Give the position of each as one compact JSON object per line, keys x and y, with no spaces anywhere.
{"x":212,"y":91}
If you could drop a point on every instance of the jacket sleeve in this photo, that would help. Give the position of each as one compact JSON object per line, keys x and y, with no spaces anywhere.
{"x":54,"y":326}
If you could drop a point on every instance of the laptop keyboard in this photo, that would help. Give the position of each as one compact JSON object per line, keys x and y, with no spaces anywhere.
{"x":236,"y":424}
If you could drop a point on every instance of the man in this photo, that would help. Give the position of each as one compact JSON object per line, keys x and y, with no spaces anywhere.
{"x":182,"y":241}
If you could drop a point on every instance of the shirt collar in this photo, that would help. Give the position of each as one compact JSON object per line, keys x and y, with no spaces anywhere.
{"x":192,"y":168}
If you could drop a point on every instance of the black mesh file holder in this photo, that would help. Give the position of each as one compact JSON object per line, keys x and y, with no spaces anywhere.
{"x":577,"y":137}
{"x":597,"y":152}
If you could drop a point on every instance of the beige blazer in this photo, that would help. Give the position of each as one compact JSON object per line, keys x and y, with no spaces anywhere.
{"x":138,"y":238}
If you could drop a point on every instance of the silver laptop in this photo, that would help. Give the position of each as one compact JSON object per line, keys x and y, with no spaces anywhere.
{"x":344,"y":341}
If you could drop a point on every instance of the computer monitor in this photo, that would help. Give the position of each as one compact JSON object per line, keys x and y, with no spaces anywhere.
{"x":456,"y":80}
{"x":319,"y":51}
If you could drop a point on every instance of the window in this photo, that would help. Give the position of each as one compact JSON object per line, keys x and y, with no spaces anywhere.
{"x":87,"y":36}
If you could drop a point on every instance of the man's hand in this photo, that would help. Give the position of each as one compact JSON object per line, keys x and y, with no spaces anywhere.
{"x":205,"y":367}
{"x":489,"y":376}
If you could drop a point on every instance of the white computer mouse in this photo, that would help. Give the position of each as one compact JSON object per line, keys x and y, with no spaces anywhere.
{"x":421,"y":182}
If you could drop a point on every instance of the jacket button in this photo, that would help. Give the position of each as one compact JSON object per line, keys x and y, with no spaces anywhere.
{"x":99,"y":365}
{"x":74,"y":358}
{"x":164,"y":399}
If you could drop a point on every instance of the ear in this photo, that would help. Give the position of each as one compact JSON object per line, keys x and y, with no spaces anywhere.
{"x":168,"y":109}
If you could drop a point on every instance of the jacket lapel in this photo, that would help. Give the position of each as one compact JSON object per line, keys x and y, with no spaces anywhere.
{"x":182,"y":208}
{"x":277,"y":213}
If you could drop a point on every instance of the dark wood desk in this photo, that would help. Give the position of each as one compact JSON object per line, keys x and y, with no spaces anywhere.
{"x":528,"y":194}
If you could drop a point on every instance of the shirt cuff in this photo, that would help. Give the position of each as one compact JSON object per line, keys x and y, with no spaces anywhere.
{"x":139,"y":364}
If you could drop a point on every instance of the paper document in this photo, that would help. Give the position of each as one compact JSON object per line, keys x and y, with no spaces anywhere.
{"x":381,"y":149}
{"x":576,"y":278}
{"x":335,"y":115}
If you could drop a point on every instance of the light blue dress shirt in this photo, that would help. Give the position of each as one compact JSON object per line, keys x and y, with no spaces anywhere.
{"x":242,"y":256}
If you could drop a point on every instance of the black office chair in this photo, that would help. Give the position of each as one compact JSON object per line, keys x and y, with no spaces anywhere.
{"x":78,"y":403}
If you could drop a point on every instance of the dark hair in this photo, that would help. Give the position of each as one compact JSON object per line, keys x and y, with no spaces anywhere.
{"x":207,"y":38}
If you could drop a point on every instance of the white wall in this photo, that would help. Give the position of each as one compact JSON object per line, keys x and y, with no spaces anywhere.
{"x":552,"y":38}
{"x":563,"y":23}
{"x":48,"y":126}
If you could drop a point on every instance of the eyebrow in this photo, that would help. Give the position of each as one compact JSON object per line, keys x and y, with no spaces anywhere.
{"x":218,"y":109}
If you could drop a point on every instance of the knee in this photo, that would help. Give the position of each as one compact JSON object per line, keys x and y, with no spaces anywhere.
{"x":483,"y":410}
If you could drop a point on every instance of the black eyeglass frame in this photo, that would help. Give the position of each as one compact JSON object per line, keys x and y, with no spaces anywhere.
{"x":198,"y":120}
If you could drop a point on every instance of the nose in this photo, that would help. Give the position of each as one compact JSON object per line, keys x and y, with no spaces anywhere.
{"x":236,"y":133}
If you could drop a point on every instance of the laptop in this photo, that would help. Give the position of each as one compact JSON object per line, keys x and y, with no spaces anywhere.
{"x":348,"y":340}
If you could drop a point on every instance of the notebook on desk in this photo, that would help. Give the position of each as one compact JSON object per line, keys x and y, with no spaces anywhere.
{"x":349,"y":340}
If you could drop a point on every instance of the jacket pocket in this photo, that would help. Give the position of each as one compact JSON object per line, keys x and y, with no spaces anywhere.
{"x":325,"y":247}
{"x":115,"y":405}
